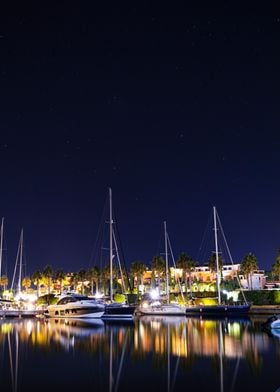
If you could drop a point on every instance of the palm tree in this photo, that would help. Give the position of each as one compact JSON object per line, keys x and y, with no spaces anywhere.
{"x":93,"y":275}
{"x":4,"y":282}
{"x":137,"y":270}
{"x":248,"y":266}
{"x":74,"y":279}
{"x":60,"y":275}
{"x":187,"y":264}
{"x":158,"y":267}
{"x":83,"y":277}
{"x":26,"y":282}
{"x":105,"y":275}
{"x":212,"y":264}
{"x":276,"y":266}
{"x":48,"y":273}
{"x":36,"y":278}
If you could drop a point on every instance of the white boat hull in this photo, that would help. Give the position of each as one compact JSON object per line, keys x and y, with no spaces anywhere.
{"x":162,"y":310}
{"x":62,"y":314}
{"x":78,"y":309}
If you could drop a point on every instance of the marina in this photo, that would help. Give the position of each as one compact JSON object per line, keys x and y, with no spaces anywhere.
{"x":168,"y":352}
{"x":125,"y":128}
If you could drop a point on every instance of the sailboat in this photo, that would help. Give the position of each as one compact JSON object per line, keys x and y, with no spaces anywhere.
{"x":18,"y":308}
{"x":219,"y":309}
{"x":114,"y":310}
{"x":156,"y":307}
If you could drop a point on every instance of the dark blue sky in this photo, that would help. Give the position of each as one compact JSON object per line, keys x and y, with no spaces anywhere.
{"x":177,"y":109}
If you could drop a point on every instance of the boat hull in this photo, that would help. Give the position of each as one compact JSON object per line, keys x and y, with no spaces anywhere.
{"x":218,"y":310}
{"x":119,"y":312}
{"x":168,"y":310}
{"x":75,"y":312}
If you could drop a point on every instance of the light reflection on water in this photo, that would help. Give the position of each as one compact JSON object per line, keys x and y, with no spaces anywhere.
{"x":168,"y":353}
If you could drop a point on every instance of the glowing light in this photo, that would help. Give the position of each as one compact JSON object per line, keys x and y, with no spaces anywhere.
{"x":98,"y":295}
{"x":154,"y":294}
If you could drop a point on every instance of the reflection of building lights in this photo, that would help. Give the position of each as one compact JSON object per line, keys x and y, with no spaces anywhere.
{"x":141,"y":331}
{"x":234,"y":329}
{"x":29,"y":325}
{"x":156,"y":325}
{"x":6,"y":328}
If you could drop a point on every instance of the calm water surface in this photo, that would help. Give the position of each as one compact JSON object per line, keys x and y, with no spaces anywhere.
{"x":162,"y":353}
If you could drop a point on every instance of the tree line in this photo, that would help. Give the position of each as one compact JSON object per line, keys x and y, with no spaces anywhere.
{"x":94,"y":279}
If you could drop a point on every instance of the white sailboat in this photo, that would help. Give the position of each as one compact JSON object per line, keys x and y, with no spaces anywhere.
{"x":18,"y":308}
{"x":157,"y":307}
{"x":219,"y":309}
{"x":113,"y":310}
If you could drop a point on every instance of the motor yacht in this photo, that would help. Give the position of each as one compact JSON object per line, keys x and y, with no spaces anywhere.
{"x":75,"y":306}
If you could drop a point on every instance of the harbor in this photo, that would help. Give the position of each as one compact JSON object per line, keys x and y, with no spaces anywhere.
{"x":164,"y":351}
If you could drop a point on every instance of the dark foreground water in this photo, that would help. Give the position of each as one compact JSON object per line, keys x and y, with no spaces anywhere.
{"x":151,"y":353}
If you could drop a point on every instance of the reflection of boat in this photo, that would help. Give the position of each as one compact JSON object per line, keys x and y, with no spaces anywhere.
{"x":272,"y":323}
{"x":114,"y":361}
{"x":75,"y":306}
{"x":275,"y":333}
{"x":78,"y":327}
{"x":79,"y":323}
{"x":70,"y":332}
{"x":163,"y":319}
{"x":219,"y":309}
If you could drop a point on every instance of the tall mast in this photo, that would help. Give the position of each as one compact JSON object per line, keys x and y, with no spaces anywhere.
{"x":1,"y":245}
{"x":20,"y":262}
{"x":217,"y":255}
{"x":111,"y":244}
{"x":166,"y":263}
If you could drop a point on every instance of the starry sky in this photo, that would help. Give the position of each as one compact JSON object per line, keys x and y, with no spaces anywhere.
{"x":176,"y":108}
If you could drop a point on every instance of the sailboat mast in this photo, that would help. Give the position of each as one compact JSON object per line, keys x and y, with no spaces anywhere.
{"x":20,"y":262}
{"x":111,"y":244}
{"x":217,"y":255}
{"x":1,"y":245}
{"x":166,"y":262}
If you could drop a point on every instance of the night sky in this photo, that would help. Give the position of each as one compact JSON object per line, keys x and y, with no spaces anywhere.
{"x":176,"y":109}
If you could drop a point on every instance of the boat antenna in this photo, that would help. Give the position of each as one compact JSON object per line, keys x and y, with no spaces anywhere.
{"x":217,"y":255}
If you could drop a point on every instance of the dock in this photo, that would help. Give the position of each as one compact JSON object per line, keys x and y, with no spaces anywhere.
{"x":264,"y":310}
{"x":20,"y":313}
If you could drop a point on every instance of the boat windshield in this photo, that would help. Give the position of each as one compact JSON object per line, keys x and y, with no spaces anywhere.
{"x":72,"y":298}
{"x":81,"y":298}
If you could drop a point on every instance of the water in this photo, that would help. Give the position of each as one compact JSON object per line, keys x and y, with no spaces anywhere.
{"x":151,"y":353}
